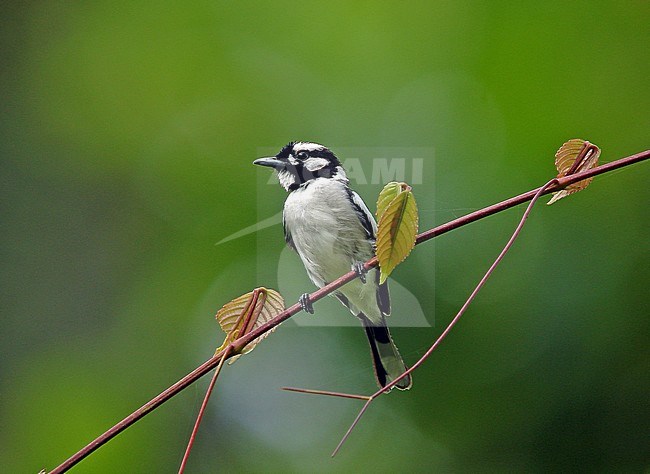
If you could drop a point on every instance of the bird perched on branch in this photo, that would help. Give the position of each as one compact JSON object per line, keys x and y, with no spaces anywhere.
{"x":332,"y":230}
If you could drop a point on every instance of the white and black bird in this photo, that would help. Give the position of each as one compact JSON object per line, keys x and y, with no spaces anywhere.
{"x":332,"y":230}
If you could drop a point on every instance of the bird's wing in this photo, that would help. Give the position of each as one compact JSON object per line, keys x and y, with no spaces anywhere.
{"x":383,"y":296}
{"x":287,"y":235}
{"x":363,"y":213}
{"x":369,"y":224}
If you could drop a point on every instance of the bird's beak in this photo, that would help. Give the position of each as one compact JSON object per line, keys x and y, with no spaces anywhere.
{"x":270,"y":161}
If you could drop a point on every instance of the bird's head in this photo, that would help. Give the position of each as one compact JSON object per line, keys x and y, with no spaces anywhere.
{"x":300,"y":162}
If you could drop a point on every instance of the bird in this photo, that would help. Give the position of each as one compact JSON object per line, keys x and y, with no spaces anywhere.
{"x":331,"y":229}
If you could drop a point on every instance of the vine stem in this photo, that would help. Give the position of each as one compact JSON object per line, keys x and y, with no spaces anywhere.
{"x":324,"y":291}
{"x":199,"y":417}
{"x":455,"y":319}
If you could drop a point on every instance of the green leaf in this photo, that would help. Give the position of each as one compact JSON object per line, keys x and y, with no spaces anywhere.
{"x":386,"y":196}
{"x":398,"y":226}
{"x":246,"y":313}
{"x":574,"y":156}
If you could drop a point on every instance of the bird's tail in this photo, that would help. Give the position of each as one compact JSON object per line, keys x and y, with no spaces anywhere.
{"x":385,"y":356}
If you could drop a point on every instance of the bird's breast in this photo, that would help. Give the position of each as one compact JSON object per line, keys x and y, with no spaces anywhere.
{"x":325,"y":229}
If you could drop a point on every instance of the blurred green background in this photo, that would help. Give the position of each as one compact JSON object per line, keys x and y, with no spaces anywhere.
{"x":126,"y":137}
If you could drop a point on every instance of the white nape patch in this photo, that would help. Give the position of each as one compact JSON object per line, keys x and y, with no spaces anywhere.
{"x":286,"y":179}
{"x":340,"y":174}
{"x":314,"y":164}
{"x":307,"y":146}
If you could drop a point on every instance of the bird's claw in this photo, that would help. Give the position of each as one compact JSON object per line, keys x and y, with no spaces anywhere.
{"x":360,"y":270}
{"x":305,"y":303}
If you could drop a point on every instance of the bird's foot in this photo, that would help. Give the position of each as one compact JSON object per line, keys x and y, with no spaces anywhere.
{"x":305,"y":303}
{"x":360,"y":270}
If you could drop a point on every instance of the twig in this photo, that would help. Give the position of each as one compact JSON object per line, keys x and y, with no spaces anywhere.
{"x":321,"y":293}
{"x":226,"y":352}
{"x":514,"y":201}
{"x":354,"y":423}
{"x":326,"y":392}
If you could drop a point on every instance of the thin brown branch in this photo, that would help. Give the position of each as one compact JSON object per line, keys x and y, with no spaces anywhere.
{"x":326,"y":392}
{"x":354,"y":423}
{"x":226,"y":352}
{"x":514,"y":201}
{"x":321,"y":293}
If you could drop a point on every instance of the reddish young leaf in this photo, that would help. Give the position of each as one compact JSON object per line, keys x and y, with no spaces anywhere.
{"x":574,"y":156}
{"x":246,"y":313}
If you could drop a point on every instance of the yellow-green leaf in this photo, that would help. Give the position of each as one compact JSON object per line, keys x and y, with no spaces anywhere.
{"x":386,"y":196}
{"x":397,"y":228}
{"x":246,"y":313}
{"x":574,"y":156}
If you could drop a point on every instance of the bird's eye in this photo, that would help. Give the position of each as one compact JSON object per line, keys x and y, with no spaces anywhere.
{"x":303,"y":155}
